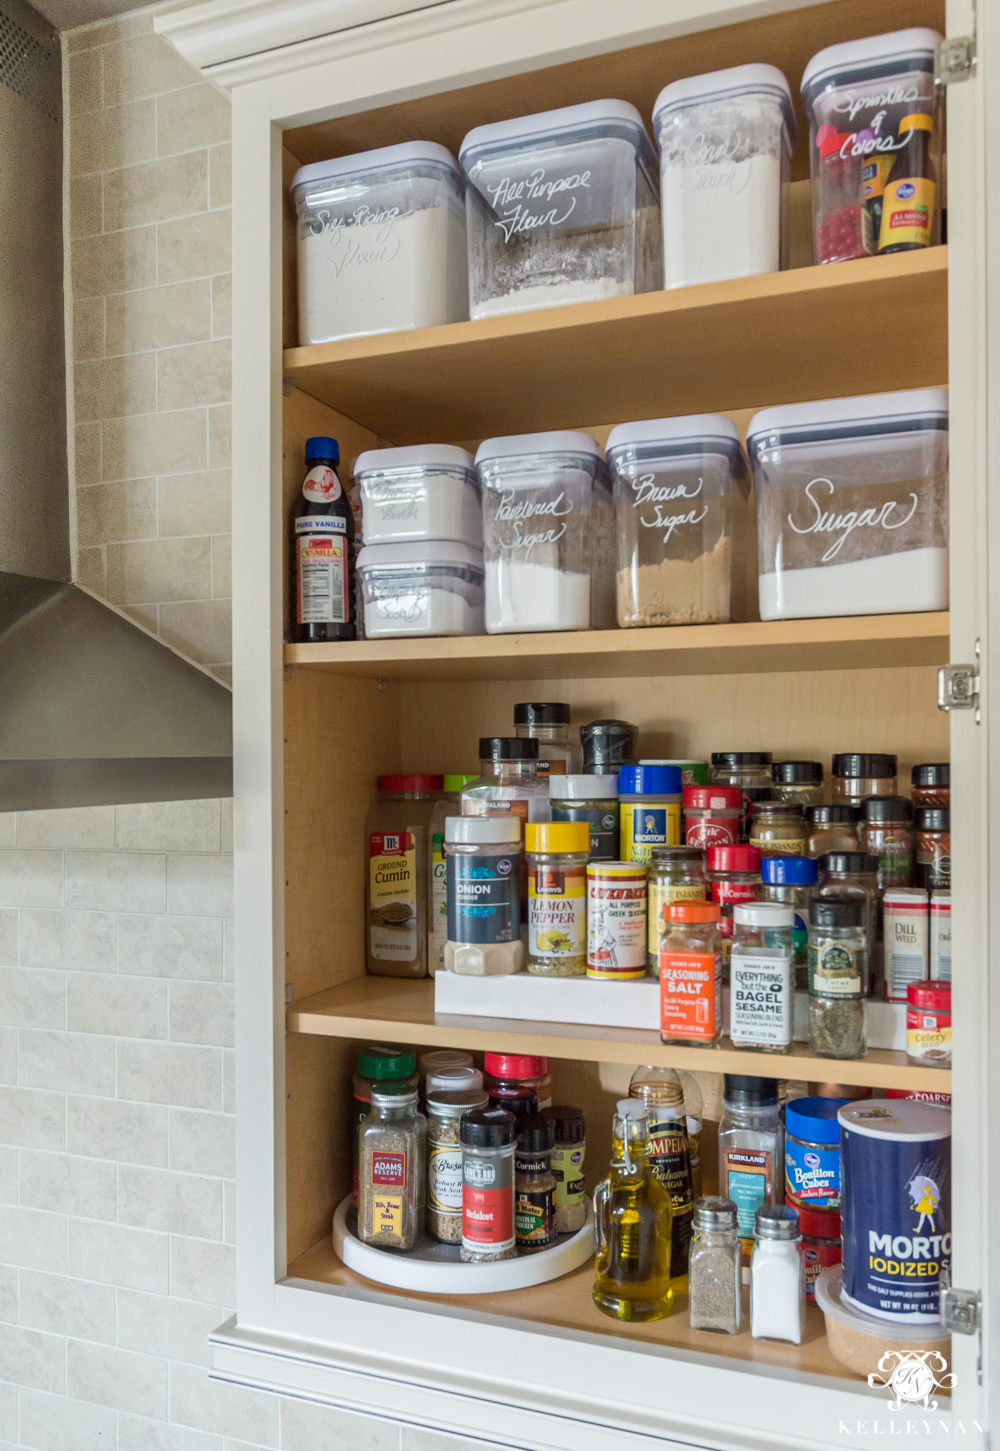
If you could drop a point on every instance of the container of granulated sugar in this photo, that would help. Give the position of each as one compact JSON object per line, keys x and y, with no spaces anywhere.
{"x":563,"y":207}
{"x":548,"y":533}
{"x":381,"y":242}
{"x":427,"y":491}
{"x":852,"y":505}
{"x":673,"y":496}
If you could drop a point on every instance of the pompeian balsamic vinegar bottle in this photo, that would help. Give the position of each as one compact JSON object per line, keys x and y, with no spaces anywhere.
{"x":325,"y":596}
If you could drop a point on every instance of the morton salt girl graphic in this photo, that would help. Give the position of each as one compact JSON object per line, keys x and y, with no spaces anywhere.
{"x":650,"y":798}
{"x":324,"y":550}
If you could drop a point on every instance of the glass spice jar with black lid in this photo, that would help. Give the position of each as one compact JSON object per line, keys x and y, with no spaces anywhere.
{"x":487,"y":1136}
{"x":857,"y":774}
{"x":838,"y":977}
{"x":534,"y":1184}
{"x":854,"y":874}
{"x":931,"y":784}
{"x":932,"y":848}
{"x":886,"y":833}
{"x":798,"y":781}
{"x":832,"y":826}
{"x":607,"y":746}
{"x":751,"y":772}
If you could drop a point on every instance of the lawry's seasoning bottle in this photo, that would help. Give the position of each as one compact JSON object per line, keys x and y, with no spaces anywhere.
{"x":325,"y":591}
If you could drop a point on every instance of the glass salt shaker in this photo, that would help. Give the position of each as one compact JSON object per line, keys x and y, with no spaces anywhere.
{"x":715,"y":1301}
{"x":777,"y":1283}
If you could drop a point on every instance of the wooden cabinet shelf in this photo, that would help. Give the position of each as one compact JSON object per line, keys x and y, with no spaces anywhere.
{"x":402,"y":1009}
{"x":783,"y":337}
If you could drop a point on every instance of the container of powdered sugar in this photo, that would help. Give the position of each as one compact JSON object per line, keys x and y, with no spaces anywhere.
{"x":563,"y":207}
{"x":673,"y":496}
{"x":548,"y":536}
{"x":852,"y":505}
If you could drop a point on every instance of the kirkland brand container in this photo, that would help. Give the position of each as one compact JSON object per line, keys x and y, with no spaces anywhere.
{"x":429,"y":491}
{"x":725,"y":149}
{"x":852,"y":505}
{"x":896,"y":1206}
{"x":548,"y":533}
{"x":874,"y":145}
{"x":433,"y":587}
{"x":562,"y":207}
{"x":381,"y":242}
{"x":673,"y":493}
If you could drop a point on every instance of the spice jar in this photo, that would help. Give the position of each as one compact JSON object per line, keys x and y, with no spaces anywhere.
{"x":557,"y":854}
{"x":733,"y":876}
{"x":547,"y":722}
{"x":931,"y":785}
{"x":616,"y":921}
{"x":522,"y":1070}
{"x":453,"y":1080}
{"x":691,"y":975}
{"x":939,"y":951}
{"x":932,"y":826}
{"x":777,"y":1287}
{"x":812,"y":1155}
{"x":905,"y":938}
{"x":832,"y":827}
{"x":693,"y":773}
{"x":798,"y":781}
{"x":712,"y":815}
{"x":482,"y":859}
{"x":821,"y":1246}
{"x":761,"y":982}
{"x":569,"y":1151}
{"x":676,"y":874}
{"x":650,"y":802}
{"x":857,"y":775}
{"x":838,"y":972}
{"x":886,"y":834}
{"x":534,"y":1184}
{"x":778,"y":828}
{"x":487,"y":1136}
{"x":397,"y":840}
{"x":792,"y":880}
{"x":751,"y":1150}
{"x":393,"y":1152}
{"x":715,"y":1301}
{"x":607,"y":746}
{"x":439,"y":1061}
{"x":854,"y":874}
{"x":376,"y":1063}
{"x":928,"y":1024}
{"x":751,"y":772}
{"x":517,"y":1098}
{"x":593,"y":799}
{"x":444,"y":1160}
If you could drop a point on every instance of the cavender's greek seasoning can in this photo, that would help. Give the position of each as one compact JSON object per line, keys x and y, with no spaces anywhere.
{"x":896,"y":1206}
{"x":616,"y":920}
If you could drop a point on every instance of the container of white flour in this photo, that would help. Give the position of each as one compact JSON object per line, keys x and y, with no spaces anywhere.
{"x":725,"y":148}
{"x":426,"y":491}
{"x":852,"y":505}
{"x":381,"y":242}
{"x":562,"y":207}
{"x":548,"y":533}
{"x":434,"y":587}
{"x":673,"y":495}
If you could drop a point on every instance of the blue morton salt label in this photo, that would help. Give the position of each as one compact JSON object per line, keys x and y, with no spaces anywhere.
{"x":896,"y":1209}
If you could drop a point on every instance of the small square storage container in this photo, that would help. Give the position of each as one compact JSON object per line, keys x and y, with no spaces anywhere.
{"x":725,"y":149}
{"x":562,"y":207}
{"x":428,"y":491}
{"x":673,"y":492}
{"x":874,"y":145}
{"x":381,"y":242}
{"x":431,"y":588}
{"x":548,"y":533}
{"x":852,"y":505}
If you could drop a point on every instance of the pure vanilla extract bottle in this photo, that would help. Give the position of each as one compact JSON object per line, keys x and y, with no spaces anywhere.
{"x":907,"y":220}
{"x":325,"y":595}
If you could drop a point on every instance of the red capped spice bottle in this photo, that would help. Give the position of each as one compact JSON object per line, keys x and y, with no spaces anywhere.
{"x":821,"y":1245}
{"x":928,"y":1024}
{"x":734,"y":876}
{"x":518,"y":1070}
{"x":712,"y":815}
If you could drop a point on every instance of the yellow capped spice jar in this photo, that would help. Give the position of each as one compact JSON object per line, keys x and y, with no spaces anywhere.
{"x":557,"y":853}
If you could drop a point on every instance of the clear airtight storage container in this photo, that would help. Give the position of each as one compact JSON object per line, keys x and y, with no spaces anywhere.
{"x":874,"y":145}
{"x":725,"y":149}
{"x":673,"y":487}
{"x":431,"y":588}
{"x":381,"y":242}
{"x":429,"y":491}
{"x":562,"y":207}
{"x":852,"y":505}
{"x":548,"y":534}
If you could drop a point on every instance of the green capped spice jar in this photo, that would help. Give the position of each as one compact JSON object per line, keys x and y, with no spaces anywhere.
{"x":569,"y":1151}
{"x":838,"y":971}
{"x":378,"y":1063}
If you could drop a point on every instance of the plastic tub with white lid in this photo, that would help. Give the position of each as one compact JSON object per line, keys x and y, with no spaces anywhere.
{"x":725,"y":142}
{"x":548,"y":538}
{"x":852,"y":505}
{"x":434,"y":587}
{"x":563,"y":207}
{"x":381,"y":242}
{"x":426,"y":491}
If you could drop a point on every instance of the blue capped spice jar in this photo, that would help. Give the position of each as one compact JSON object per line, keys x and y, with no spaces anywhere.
{"x":812,"y":1153}
{"x":649,"y":800}
{"x":792,"y":881}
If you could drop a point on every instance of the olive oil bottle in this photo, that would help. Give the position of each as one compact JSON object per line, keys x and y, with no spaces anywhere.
{"x":632,"y":1218}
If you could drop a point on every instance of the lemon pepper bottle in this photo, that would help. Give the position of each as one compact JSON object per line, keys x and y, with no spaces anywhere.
{"x":632,"y":1219}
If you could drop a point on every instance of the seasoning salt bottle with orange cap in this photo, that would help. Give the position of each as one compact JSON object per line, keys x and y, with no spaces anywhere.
{"x":691,"y":974}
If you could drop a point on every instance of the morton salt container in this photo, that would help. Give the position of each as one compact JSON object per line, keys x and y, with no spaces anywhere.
{"x":895,"y":1160}
{"x":852,"y":505}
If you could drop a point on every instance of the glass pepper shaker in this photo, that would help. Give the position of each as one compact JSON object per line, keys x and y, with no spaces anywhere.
{"x":714,"y":1276}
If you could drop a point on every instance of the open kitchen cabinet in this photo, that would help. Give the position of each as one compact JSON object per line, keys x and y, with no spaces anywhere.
{"x":317,"y":724}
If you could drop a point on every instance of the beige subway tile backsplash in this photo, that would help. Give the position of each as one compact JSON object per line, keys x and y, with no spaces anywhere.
{"x":222,"y":571}
{"x":67,"y":1307}
{"x":117,"y":1378}
{"x":87,"y":446}
{"x":160,"y":569}
{"x":189,"y":376}
{"x":85,"y":208}
{"x":156,"y":191}
{"x":197,"y":246}
{"x":84,"y":71}
{"x":115,"y":881}
{"x":115,"y":262}
{"x":202,"y":1143}
{"x":169,"y":826}
{"x":222,"y":306}
{"x":130,"y":1007}
{"x":145,"y":66}
{"x":118,"y":512}
{"x":66,"y":1062}
{"x":170,"y":947}
{"x":134,"y":1133}
{"x":174,"y":1203}
{"x":31,"y":879}
{"x":170,"y":1073}
{"x":88,"y":328}
{"x":194,"y":503}
{"x":117,"y":136}
{"x":81,"y":941}
{"x":220,"y":175}
{"x":30,"y":1358}
{"x":177,"y":1329}
{"x":33,"y":1239}
{"x":91,"y":826}
{"x":157,"y":443}
{"x":198,"y":116}
{"x":159,"y":317}
{"x":115,"y":387}
{"x":54,"y":1423}
{"x":58,"y":1181}
{"x":33,"y":1119}
{"x":202,"y":630}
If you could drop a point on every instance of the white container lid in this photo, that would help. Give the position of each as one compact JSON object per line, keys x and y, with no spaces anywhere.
{"x":422,"y":551}
{"x":695,"y":430}
{"x":874,"y":413}
{"x":763,"y":914}
{"x":523,"y":445}
{"x":483,"y":830}
{"x":583,"y":788}
{"x":909,"y":896}
{"x":592,"y":116}
{"x":408,"y":153}
{"x":907,"y":1119}
{"x":417,"y":456}
{"x":740,"y":80}
{"x":828,"y":1297}
{"x":891,"y":54}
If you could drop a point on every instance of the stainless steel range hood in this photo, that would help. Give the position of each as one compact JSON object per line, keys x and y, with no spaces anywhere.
{"x":93,"y":709}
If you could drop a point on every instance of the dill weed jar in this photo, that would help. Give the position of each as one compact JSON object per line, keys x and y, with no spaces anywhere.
{"x":444,"y":1160}
{"x":676,"y":874}
{"x":393,"y":1153}
{"x":838,"y":973}
{"x":557,"y":854}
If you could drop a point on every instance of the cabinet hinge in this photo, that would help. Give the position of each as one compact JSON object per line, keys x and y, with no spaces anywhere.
{"x":960,"y":1310}
{"x":954,"y":59}
{"x":958,"y":688}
